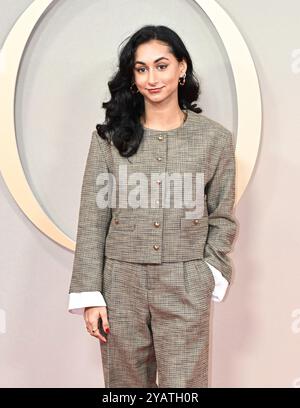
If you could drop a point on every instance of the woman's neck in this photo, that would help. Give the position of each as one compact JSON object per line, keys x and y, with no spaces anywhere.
{"x":164,"y":124}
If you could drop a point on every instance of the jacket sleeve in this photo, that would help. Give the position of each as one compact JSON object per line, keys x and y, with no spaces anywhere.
{"x":93,"y":223}
{"x":220,"y":194}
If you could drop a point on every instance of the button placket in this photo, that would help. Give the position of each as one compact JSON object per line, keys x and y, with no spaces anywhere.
{"x":159,"y":158}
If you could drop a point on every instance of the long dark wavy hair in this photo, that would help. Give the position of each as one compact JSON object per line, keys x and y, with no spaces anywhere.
{"x":124,"y":109}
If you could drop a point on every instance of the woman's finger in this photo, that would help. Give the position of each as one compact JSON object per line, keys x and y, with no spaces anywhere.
{"x":104,"y":318}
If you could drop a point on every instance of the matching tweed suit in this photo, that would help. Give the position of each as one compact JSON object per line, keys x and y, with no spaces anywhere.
{"x":150,"y":262}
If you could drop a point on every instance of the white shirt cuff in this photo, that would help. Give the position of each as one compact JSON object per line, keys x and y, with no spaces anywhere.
{"x":221,"y":284}
{"x":78,"y":301}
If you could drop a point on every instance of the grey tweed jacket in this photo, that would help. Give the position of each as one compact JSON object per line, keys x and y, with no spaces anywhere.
{"x":153,"y":229}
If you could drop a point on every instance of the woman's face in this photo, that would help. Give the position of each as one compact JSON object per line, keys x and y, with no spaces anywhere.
{"x":156,"y":67}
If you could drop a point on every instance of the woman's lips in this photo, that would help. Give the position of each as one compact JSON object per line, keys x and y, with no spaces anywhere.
{"x":154,"y":90}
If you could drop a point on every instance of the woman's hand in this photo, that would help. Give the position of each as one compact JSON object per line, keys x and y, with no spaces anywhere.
{"x":91,"y":317}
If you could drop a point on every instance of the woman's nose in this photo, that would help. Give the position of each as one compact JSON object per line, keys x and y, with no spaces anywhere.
{"x":152,"y":74}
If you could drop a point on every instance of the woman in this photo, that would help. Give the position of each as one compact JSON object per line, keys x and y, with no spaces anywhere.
{"x":145,"y":273}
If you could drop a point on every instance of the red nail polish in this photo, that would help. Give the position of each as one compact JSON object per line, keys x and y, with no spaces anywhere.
{"x":107,"y":330}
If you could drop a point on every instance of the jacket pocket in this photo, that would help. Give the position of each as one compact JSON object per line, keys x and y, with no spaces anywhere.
{"x":193,"y":224}
{"x":193,"y":235}
{"x":122,"y":223}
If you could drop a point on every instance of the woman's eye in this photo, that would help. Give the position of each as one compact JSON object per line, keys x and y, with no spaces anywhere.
{"x":163,"y":66}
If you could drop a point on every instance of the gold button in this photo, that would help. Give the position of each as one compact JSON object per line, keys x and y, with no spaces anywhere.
{"x":160,"y":137}
{"x":159,"y":158}
{"x":157,"y":224}
{"x":116,"y":221}
{"x":196,"y":221}
{"x":156,"y":247}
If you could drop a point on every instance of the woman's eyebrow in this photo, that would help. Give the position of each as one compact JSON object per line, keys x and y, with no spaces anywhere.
{"x":158,"y":59}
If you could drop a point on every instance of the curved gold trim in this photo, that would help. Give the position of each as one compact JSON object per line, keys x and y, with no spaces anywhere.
{"x":10,"y":163}
{"x":247,"y":89}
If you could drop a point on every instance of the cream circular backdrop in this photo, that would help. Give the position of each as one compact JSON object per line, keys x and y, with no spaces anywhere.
{"x":247,"y":94}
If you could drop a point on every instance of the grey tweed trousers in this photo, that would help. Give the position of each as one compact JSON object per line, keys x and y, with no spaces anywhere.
{"x":159,"y":324}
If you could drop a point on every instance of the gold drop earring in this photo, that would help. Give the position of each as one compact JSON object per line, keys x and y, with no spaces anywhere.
{"x":131,"y":88}
{"x":182,"y":80}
